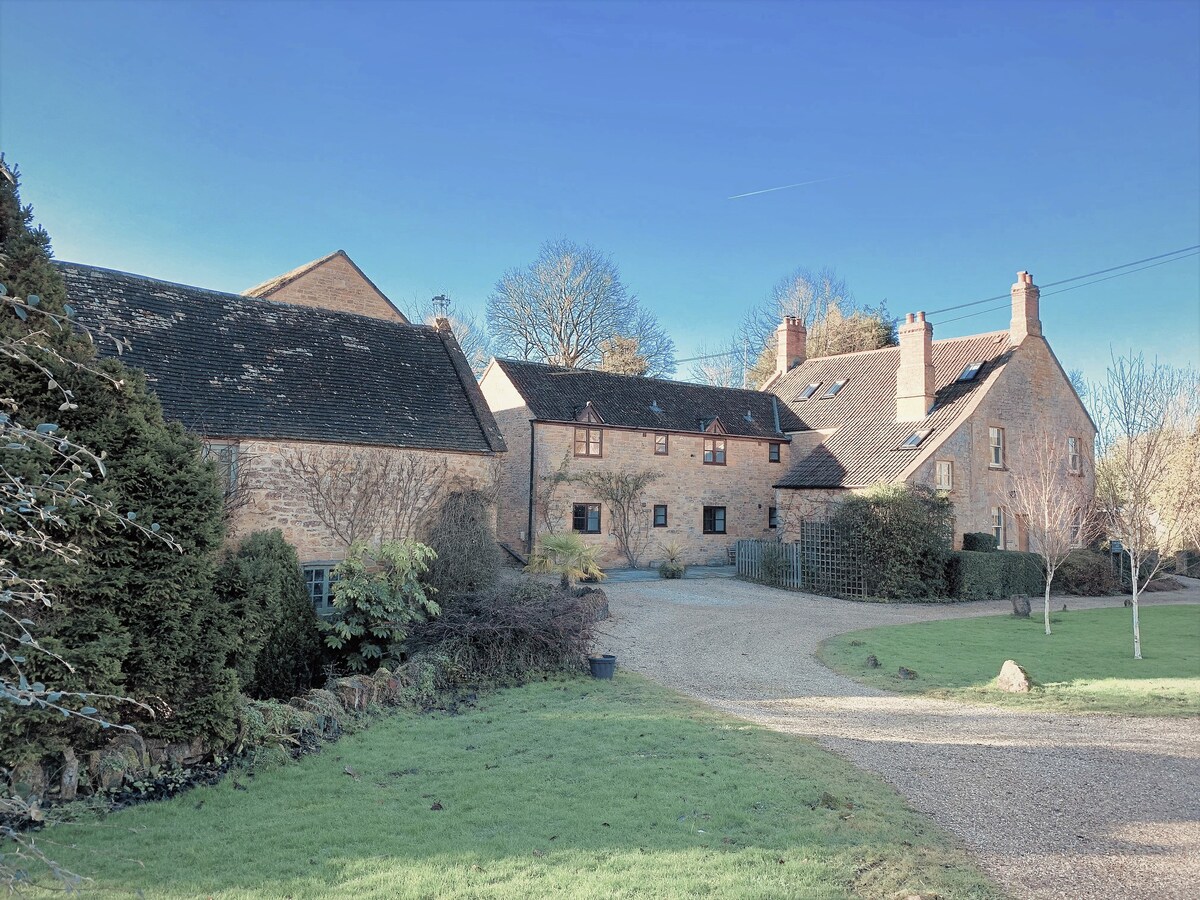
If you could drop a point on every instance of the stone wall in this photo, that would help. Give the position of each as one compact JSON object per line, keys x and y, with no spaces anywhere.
{"x":337,"y":284}
{"x":269,"y":496}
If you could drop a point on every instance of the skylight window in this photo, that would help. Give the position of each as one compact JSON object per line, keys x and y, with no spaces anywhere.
{"x":809,"y":391}
{"x":915,"y":439}
{"x":833,"y":389}
{"x":969,"y":373}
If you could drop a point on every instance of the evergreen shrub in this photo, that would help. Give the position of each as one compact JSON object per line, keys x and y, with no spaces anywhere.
{"x":1086,"y":573}
{"x":980,"y":542}
{"x":901,"y":536}
{"x":277,"y":654}
{"x":468,"y":558}
{"x":973,"y":575}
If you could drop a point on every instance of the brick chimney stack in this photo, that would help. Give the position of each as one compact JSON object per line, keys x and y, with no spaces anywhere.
{"x":791,"y":338}
{"x":1025,"y":314}
{"x":914,"y":378}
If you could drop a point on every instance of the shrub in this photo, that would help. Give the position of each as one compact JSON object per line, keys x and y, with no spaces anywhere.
{"x":278,"y":649}
{"x":902,"y":536}
{"x":1086,"y":573}
{"x":568,"y":557}
{"x":468,"y":559}
{"x":672,"y":565}
{"x":980,"y":542}
{"x":993,"y":576}
{"x":504,"y":636}
{"x":378,"y":595}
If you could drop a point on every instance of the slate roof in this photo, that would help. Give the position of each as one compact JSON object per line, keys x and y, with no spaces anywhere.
{"x":558,"y":394}
{"x":863,"y":449}
{"x":226,"y":365}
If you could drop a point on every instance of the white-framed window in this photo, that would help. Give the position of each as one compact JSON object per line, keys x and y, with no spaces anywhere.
{"x":225,"y":455}
{"x":1074,"y":460}
{"x":998,"y":526}
{"x":944,"y":475}
{"x":772,"y":517}
{"x":319,"y":579}
{"x":1077,"y":529}
{"x":996,"y":447}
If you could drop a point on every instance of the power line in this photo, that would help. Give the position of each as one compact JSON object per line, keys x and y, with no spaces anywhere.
{"x":1136,"y":262}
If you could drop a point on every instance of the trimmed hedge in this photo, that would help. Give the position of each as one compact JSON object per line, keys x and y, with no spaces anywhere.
{"x":975,"y":575}
{"x":980,"y":542}
{"x":1086,"y":573}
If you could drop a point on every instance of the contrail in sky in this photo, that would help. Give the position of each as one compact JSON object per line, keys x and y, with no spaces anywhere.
{"x":782,"y":188}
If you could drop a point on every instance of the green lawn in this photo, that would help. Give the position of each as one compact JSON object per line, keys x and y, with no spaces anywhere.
{"x":1086,"y":665}
{"x":574,"y":788}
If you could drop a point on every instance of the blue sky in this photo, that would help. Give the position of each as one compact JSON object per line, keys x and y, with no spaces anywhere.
{"x":221,"y":144}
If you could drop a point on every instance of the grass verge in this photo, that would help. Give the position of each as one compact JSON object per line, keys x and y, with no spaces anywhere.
{"x":1086,"y":665}
{"x":572,"y":788}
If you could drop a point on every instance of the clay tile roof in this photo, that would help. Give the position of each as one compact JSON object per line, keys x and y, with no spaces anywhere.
{"x":557,"y":394}
{"x":227,"y":365}
{"x":862,"y":449}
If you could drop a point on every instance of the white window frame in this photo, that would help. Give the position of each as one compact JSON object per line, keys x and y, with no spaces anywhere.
{"x":999,"y":527}
{"x":995,"y":447}
{"x":943,"y":466}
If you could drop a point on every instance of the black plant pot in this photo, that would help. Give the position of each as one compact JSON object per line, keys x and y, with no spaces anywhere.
{"x":603,"y":666}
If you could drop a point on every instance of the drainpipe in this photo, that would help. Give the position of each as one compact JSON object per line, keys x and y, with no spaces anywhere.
{"x":532,"y":450}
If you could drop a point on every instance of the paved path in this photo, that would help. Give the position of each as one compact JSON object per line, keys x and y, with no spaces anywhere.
{"x":1052,"y":805}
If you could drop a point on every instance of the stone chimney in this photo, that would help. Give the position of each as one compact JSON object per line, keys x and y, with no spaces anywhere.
{"x":1025,"y":315}
{"x":791,"y":338}
{"x":914,"y":378}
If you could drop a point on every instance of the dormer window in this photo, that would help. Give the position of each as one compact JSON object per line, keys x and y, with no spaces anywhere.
{"x":915,"y":439}
{"x":834,"y":389}
{"x":809,"y":391}
{"x":969,"y":373}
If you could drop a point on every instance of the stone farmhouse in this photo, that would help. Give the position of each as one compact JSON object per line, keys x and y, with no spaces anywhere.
{"x":717,"y":451}
{"x":952,"y":415}
{"x":316,"y":361}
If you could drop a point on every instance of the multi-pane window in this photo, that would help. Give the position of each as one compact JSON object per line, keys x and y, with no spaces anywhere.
{"x":714,"y":451}
{"x":773,"y":517}
{"x":998,"y":526}
{"x":226,"y":458}
{"x":944,"y":475}
{"x":660,"y":515}
{"x":996,"y":447}
{"x":585,"y":518}
{"x":714,"y":520}
{"x":1077,"y":528}
{"x":661,"y":444}
{"x":319,"y":579}
{"x":589,"y":442}
{"x":1073,"y":458}
{"x":773,"y":453}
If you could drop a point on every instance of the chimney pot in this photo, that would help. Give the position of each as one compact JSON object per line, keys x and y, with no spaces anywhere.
{"x":1026,"y":317}
{"x":914,"y":376}
{"x":791,"y":340}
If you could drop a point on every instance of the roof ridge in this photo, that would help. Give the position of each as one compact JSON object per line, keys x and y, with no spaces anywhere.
{"x":245,"y":298}
{"x":696,"y":384}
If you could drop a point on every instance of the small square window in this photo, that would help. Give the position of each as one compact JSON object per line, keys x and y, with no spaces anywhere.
{"x":996,"y":448}
{"x":773,"y":453}
{"x":809,"y":391}
{"x":714,"y":451}
{"x":589,"y":442}
{"x":773,"y":517}
{"x":319,"y":579}
{"x":660,"y":515}
{"x":661,"y":444}
{"x":714,"y":520}
{"x":833,"y":389}
{"x":969,"y":373}
{"x":944,"y":479}
{"x":585,"y":518}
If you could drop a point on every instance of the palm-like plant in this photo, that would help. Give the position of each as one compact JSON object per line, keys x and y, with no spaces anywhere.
{"x":567,"y":556}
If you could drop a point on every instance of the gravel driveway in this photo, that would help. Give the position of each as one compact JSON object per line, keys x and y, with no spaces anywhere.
{"x":1052,"y":805}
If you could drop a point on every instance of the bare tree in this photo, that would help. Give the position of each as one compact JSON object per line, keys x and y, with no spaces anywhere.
{"x":623,"y":493}
{"x":368,"y":493}
{"x":721,"y":365}
{"x":1147,"y":481}
{"x":1052,"y":496}
{"x":620,"y":356}
{"x":560,"y":308}
{"x":471,"y":334}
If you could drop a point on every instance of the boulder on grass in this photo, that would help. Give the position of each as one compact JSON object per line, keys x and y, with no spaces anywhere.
{"x":906,"y":674}
{"x":872,"y":661}
{"x":1013,"y":679}
{"x":1020,"y":605}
